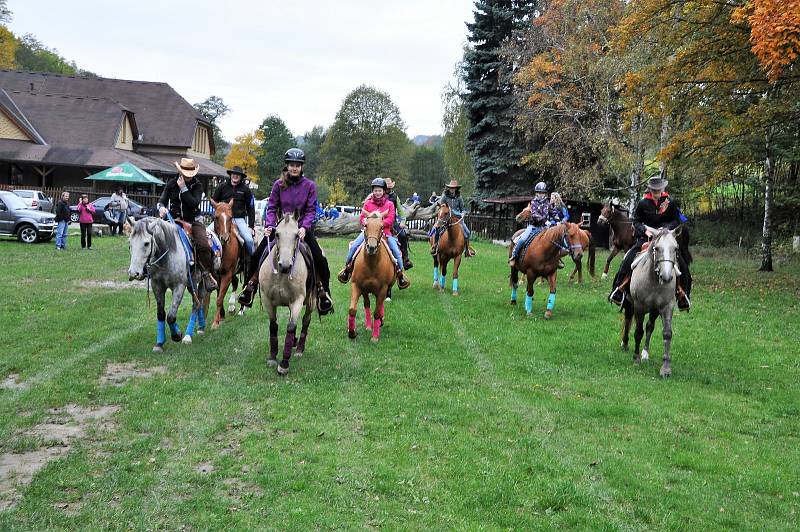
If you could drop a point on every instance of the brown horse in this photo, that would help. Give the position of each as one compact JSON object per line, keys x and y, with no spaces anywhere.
{"x":622,"y":232}
{"x":373,"y":273}
{"x":586,"y":243}
{"x":451,"y":247}
{"x":541,"y":260}
{"x":231,"y":249}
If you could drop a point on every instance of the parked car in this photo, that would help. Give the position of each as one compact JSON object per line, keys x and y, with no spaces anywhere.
{"x":350,"y":209}
{"x":28,"y":225}
{"x":136,"y":210}
{"x":35,"y":199}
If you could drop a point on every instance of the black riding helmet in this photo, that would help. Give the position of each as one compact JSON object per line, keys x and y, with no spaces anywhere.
{"x":379,"y":182}
{"x":294,"y":155}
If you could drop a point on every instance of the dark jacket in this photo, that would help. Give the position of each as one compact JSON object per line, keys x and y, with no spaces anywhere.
{"x":182,"y":204}
{"x":656,"y":213}
{"x":392,"y":196}
{"x":243,"y":202}
{"x":456,"y":203}
{"x":62,"y":211}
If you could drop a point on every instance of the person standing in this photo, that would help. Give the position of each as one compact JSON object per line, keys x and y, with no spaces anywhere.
{"x":86,"y":218}
{"x":119,"y":209}
{"x":181,"y":198}
{"x":244,"y":207}
{"x":62,"y":219}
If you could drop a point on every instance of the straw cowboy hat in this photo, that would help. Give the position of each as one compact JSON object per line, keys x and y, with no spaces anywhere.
{"x":187,"y":167}
{"x":657,"y":183}
{"x":452,"y":184}
{"x":237,"y":170}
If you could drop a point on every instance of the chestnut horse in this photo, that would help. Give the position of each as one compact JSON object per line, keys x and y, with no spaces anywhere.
{"x":451,"y":247}
{"x":373,"y":273}
{"x":622,"y":232}
{"x":541,"y":258}
{"x":231,"y":249}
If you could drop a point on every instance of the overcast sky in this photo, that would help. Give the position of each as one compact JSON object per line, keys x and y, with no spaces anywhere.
{"x":297,"y":59}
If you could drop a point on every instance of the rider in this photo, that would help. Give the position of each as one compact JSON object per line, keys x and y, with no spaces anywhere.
{"x":452,"y":197}
{"x":561,"y":214}
{"x":293,"y":192}
{"x":399,"y":227}
{"x":542,"y":216}
{"x":181,"y":197}
{"x":656,"y":209}
{"x":377,"y":201}
{"x":244,"y":211}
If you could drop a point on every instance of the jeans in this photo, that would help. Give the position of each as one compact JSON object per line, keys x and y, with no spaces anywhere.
{"x":392,"y":246}
{"x":247,"y":234}
{"x":61,"y":234}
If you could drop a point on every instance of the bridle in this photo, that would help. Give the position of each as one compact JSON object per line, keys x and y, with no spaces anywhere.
{"x":379,"y":238}
{"x":226,"y":223}
{"x":446,"y":223}
{"x":277,"y":253}
{"x":656,"y":261}
{"x":564,"y":244}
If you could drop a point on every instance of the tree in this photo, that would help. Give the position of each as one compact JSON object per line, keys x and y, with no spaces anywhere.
{"x":5,"y":12}
{"x":455,"y":125}
{"x":277,"y":139}
{"x":312,"y":146}
{"x":427,"y":171}
{"x":495,"y":150}
{"x":244,"y":152}
{"x":214,"y":108}
{"x":8,"y":48}
{"x":33,"y":55}
{"x":338,"y":195}
{"x":366,"y":140}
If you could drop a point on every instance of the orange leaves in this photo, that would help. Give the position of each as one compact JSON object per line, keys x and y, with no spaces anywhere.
{"x":774,"y":32}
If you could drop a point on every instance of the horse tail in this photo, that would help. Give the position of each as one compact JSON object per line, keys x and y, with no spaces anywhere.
{"x":684,"y":245}
{"x":592,"y":251}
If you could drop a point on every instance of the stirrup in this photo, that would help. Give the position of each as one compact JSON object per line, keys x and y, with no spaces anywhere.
{"x":403,"y":282}
{"x":617,"y":300}
{"x":344,"y":275}
{"x":246,"y":297}
{"x":324,"y":302}
{"x":681,"y":296}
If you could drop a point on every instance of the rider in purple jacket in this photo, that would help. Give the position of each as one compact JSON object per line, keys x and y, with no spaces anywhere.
{"x":293,"y":192}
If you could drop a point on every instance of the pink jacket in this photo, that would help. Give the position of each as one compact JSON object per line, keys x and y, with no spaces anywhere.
{"x":384,"y":205}
{"x":85,"y":213}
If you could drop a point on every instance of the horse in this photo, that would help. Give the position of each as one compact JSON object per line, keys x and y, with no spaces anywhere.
{"x":157,"y":254}
{"x":541,"y":258}
{"x":230,"y":263}
{"x":285,"y":281}
{"x":652,"y":292}
{"x":622,"y":231}
{"x":586,"y":243}
{"x":373,"y":273}
{"x":451,"y":246}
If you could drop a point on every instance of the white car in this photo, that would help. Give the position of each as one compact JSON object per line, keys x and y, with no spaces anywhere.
{"x":35,"y":199}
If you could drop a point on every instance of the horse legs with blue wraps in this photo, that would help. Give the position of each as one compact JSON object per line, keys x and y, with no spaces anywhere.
{"x":167,"y":319}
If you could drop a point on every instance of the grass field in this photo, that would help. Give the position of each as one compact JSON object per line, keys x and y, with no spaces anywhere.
{"x":467,"y":414}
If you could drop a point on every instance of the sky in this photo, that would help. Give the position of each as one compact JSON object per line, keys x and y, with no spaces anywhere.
{"x":297,"y":59}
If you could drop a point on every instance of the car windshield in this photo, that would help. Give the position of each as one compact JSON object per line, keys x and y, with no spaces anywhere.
{"x":12,"y":201}
{"x":24,"y":193}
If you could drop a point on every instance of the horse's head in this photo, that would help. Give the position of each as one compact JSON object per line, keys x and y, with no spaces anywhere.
{"x":148,"y":237}
{"x":223,"y":219}
{"x":605,"y":213}
{"x":286,"y":242}
{"x":443,"y":215}
{"x":664,"y":250}
{"x":577,"y":240}
{"x":373,"y":230}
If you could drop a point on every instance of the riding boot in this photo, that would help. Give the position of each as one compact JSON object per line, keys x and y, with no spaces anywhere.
{"x":468,"y":250}
{"x":617,"y":296}
{"x":683,"y":299}
{"x":248,"y":294}
{"x":512,"y":261}
{"x":211,"y":283}
{"x":403,"y":282}
{"x":344,"y":275}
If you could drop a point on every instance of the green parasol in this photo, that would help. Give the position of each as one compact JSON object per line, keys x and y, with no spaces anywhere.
{"x":125,"y":173}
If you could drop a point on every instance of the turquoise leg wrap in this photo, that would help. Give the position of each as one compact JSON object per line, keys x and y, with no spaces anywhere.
{"x":551,"y":301}
{"x":528,"y":304}
{"x":190,"y":325}
{"x":455,"y":285}
{"x":435,"y":274}
{"x":173,"y":327}
{"x":201,"y":319}
{"x":441,"y":281}
{"x":513,"y":293}
{"x":161,"y":335}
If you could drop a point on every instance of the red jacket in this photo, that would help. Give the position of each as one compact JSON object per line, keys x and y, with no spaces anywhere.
{"x":85,"y":213}
{"x":383,"y":205}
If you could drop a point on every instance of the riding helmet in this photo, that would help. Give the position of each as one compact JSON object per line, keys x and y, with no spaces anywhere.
{"x":541,"y":186}
{"x":294,"y":155}
{"x":379,"y":182}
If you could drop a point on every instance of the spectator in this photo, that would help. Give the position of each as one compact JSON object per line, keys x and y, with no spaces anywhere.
{"x":119,"y":210}
{"x":433,"y":199}
{"x":85,"y":217}
{"x":414,"y":198}
{"x":333,"y":212}
{"x":62,"y":218}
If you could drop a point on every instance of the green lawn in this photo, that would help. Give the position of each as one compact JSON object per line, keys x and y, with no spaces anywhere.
{"x":467,"y":414}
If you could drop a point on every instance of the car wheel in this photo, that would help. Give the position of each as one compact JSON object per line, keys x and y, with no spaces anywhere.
{"x":27,"y":234}
{"x":73,"y":217}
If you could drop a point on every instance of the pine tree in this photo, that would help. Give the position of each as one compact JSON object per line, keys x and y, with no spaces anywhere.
{"x":495,"y":150}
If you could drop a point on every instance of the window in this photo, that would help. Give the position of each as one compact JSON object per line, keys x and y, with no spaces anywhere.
{"x":586,"y":219}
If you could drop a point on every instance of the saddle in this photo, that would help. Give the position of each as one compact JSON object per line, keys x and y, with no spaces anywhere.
{"x":515,"y":239}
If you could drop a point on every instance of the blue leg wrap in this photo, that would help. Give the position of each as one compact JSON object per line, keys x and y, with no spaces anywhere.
{"x":201,"y":319}
{"x":441,"y":281}
{"x":435,"y":274}
{"x":455,"y":285}
{"x":173,"y":328}
{"x":551,"y":301}
{"x":513,"y":293}
{"x":190,"y":325}
{"x":161,"y":335}
{"x":528,"y":304}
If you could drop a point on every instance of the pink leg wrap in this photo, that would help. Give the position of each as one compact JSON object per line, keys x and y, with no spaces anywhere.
{"x":351,"y":323}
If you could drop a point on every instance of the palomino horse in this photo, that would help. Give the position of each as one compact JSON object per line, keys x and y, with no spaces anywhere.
{"x":373,"y":273}
{"x":285,"y":281}
{"x":652,"y":291}
{"x":231,"y":249}
{"x":622,"y":232}
{"x":158,"y":255}
{"x":451,"y":247}
{"x":586,"y":243}
{"x":540,"y":259}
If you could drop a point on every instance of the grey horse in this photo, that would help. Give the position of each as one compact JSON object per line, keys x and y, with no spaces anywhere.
{"x":652,"y":291}
{"x":157,"y":253}
{"x":282,"y":279}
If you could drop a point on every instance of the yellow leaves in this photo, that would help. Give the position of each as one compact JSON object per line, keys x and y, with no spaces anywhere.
{"x":8,"y":47}
{"x":244,"y":152}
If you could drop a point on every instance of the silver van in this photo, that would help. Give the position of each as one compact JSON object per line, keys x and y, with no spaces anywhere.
{"x":28,"y":225}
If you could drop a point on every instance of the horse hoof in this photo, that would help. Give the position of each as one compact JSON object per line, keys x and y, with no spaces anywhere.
{"x":187,"y":340}
{"x":604,"y":276}
{"x":645,"y":355}
{"x":298,"y":354}
{"x":231,"y":309}
{"x":548,"y":314}
{"x":201,"y":332}
{"x":158,"y":348}
{"x":374,"y":339}
{"x":624,"y":347}
{"x":455,"y":294}
{"x":368,"y":327}
{"x":271,"y":362}
{"x":666,"y":372}
{"x":435,"y":286}
{"x":513,"y":302}
{"x":240,"y":313}
{"x":637,"y":360}
{"x":176,"y":337}
{"x":352,"y":334}
{"x":282,"y":371}
{"x":215,"y":326}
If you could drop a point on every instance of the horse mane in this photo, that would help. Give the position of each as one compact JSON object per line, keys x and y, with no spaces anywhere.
{"x":159,"y":229}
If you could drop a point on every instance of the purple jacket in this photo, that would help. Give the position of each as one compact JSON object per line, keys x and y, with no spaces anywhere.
{"x":301,"y":196}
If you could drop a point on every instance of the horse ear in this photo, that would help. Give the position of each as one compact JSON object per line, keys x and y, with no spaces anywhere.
{"x":296,"y":214}
{"x":230,"y":202}
{"x":677,"y":231}
{"x":213,"y":203}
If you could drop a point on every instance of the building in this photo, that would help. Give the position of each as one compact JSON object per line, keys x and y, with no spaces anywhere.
{"x":55,"y":130}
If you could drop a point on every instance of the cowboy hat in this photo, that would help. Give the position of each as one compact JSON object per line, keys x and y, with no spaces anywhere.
{"x":237,"y":170}
{"x":187,"y":167}
{"x":657,"y":183}
{"x":452,"y":184}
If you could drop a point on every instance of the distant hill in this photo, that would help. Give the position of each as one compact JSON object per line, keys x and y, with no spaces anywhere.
{"x":430,"y":141}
